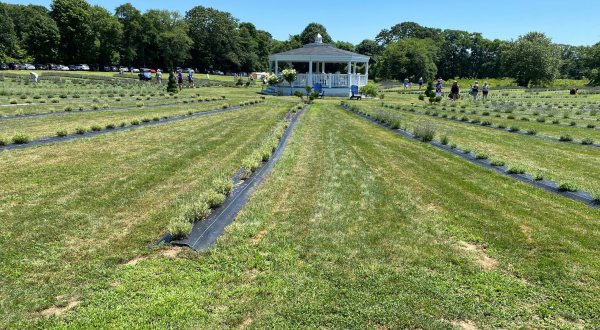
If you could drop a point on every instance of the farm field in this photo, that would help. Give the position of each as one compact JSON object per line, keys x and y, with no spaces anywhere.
{"x":356,"y":227}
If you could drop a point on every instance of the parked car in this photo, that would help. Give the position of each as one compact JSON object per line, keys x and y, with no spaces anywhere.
{"x":41,"y":67}
{"x":145,"y":74}
{"x":123,"y":68}
{"x":64,"y":68}
{"x":3,"y":66}
{"x":135,"y":70}
{"x":28,"y":66}
{"x":84,"y":67}
{"x":53,"y":67}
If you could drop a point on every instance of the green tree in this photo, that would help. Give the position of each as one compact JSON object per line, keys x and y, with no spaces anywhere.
{"x":532,"y":59}
{"x":345,"y":46}
{"x":409,"y":58}
{"x":309,"y":33}
{"x":592,"y":64}
{"x":132,"y":51}
{"x":75,"y":25}
{"x":407,"y":30}
{"x":36,"y":31}
{"x":172,"y":84}
{"x":166,"y":42}
{"x":9,"y":48}
{"x":108,"y":34}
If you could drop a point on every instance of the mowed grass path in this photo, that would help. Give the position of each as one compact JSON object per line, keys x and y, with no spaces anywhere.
{"x":72,"y":211}
{"x":360,"y":228}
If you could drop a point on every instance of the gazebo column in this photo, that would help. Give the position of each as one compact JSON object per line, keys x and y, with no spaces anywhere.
{"x":310,"y":74}
{"x":323,"y":67}
{"x":270,"y":67}
{"x":367,"y":71}
{"x":276,"y":67}
{"x":349,"y":74}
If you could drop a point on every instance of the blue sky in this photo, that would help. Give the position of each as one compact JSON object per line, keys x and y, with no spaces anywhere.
{"x":570,"y":22}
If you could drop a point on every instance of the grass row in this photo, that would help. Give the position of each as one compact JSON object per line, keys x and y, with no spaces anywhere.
{"x":568,"y":163}
{"x":357,"y":227}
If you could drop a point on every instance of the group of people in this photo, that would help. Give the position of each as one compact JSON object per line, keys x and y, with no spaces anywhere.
{"x":455,"y":90}
{"x":179,"y":77}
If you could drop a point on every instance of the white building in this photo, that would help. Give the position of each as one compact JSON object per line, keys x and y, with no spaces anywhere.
{"x":319,"y":56}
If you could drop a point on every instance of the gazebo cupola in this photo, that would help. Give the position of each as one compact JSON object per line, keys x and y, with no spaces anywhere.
{"x":319,"y":56}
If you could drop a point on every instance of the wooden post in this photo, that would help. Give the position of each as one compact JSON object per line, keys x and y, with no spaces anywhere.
{"x":310,"y":74}
{"x":349,"y":74}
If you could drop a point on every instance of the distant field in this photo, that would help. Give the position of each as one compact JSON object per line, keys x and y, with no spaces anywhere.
{"x":114,"y":74}
{"x":356,"y":227}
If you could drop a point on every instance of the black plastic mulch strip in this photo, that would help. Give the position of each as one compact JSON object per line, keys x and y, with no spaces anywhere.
{"x":206,"y":232}
{"x":507,"y":130}
{"x":547,"y":185}
{"x":89,"y":134}
{"x":63,"y":112}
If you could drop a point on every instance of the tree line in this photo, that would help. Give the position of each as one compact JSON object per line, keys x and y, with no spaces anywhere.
{"x":74,"y":32}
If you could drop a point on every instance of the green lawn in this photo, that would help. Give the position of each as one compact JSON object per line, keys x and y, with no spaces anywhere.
{"x":356,"y":228}
{"x":73,"y":213}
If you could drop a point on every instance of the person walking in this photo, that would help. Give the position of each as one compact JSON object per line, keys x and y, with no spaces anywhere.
{"x":475,"y":90}
{"x":406,"y":83}
{"x":485,"y":90}
{"x":180,"y":79}
{"x":159,"y":76}
{"x":438,"y":88}
{"x":420,"y":83}
{"x":454,"y":90}
{"x":34,"y":77}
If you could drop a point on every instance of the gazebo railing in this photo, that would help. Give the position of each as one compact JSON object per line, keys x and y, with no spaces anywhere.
{"x":330,"y":80}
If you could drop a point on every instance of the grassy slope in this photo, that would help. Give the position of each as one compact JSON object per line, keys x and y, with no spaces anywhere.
{"x":358,"y":227}
{"x":73,"y":211}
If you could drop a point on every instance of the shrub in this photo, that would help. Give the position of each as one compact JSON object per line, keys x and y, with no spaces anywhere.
{"x":540,"y":119}
{"x":444,"y":140}
{"x":20,"y":138}
{"x":556,"y":122}
{"x":171,"y":84}
{"x":453,"y":145}
{"x":538,"y":176}
{"x":139,"y":104}
{"x":514,"y":129}
{"x":156,"y":118}
{"x":225,"y":106}
{"x":146,"y":120}
{"x":96,"y":128}
{"x":135,"y":122}
{"x":587,"y":141}
{"x":421,"y":97}
{"x":516,"y":169}
{"x":424,"y":131}
{"x":481,"y":155}
{"x":502,"y":126}
{"x":222,"y":184}
{"x":61,"y":132}
{"x":565,"y":138}
{"x":497,"y":162}
{"x":572,"y":123}
{"x":591,"y":126}
{"x":486,"y":123}
{"x":213,"y":198}
{"x":370,"y":89}
{"x":567,"y":185}
{"x":595,"y":193}
{"x":80,"y":130}
{"x":531,"y":131}
{"x":179,"y":227}
{"x":110,"y":126}
{"x":122,"y":124}
{"x":68,"y":108}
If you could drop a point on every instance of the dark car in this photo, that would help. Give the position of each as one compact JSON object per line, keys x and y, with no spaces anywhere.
{"x":145,"y":75}
{"x":41,"y":67}
{"x":3,"y":66}
{"x":53,"y":67}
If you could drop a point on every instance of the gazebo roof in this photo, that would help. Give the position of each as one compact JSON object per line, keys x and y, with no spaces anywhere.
{"x":318,"y":52}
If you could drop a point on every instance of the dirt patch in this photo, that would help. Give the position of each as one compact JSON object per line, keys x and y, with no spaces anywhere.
{"x":526,"y":230}
{"x":432,"y":208}
{"x":259,"y":236}
{"x":483,"y":260}
{"x":465,"y":325}
{"x":135,"y":261}
{"x":172,"y":252}
{"x":246,"y":323}
{"x":63,"y":308}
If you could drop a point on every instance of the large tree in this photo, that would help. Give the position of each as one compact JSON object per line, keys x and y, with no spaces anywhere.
{"x":592,"y":63}
{"x":108,"y":34}
{"x":309,"y":33}
{"x":214,"y":35}
{"x":75,"y":25}
{"x":407,"y":30}
{"x":409,"y":58}
{"x":9,"y":47}
{"x":532,"y":59}
{"x":132,"y":51}
{"x":36,"y":31}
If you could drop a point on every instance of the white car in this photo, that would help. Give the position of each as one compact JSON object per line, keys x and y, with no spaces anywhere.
{"x":64,"y":68}
{"x":84,"y":67}
{"x":134,"y":70}
{"x":29,"y":66}
{"x":124,"y":69}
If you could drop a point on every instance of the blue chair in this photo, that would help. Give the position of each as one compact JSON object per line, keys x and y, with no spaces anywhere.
{"x":354,"y":93}
{"x":319,"y":89}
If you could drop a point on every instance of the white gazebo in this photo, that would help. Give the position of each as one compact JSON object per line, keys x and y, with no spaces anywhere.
{"x":318,"y":56}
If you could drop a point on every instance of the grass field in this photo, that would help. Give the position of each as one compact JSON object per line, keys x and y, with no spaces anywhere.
{"x":356,"y":227}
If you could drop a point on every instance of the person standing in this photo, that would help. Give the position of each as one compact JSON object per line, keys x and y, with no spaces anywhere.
{"x":475,"y":90}
{"x":454,"y":90}
{"x":159,"y":76}
{"x":485,"y":90}
{"x":438,"y":88}
{"x":420,"y":83}
{"x":34,"y":77}
{"x":406,"y":82}
{"x":191,"y":77}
